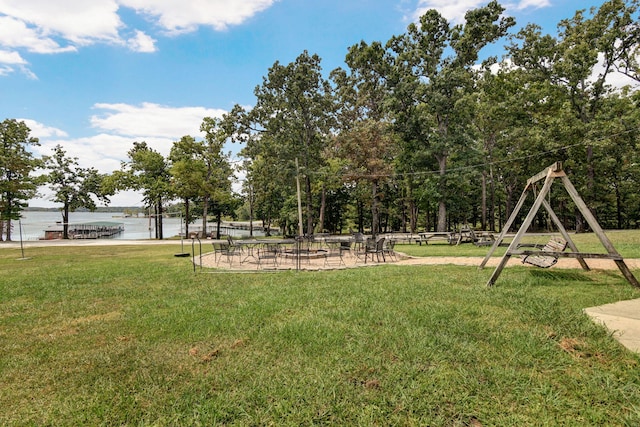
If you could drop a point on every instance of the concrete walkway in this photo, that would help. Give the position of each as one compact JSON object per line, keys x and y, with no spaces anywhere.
{"x":622,"y":319}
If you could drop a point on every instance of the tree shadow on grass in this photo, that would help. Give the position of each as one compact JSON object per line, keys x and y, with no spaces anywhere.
{"x":562,"y":275}
{"x":593,"y":277}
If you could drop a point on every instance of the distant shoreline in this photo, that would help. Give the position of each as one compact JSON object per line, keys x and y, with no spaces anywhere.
{"x":99,"y":209}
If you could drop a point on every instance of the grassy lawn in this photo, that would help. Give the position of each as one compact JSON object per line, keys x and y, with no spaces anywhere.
{"x":129,"y":335}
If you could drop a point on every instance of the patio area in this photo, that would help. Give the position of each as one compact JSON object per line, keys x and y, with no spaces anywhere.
{"x":316,"y":253}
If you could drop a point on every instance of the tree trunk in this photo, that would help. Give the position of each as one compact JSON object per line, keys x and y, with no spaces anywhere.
{"x":509,"y":201}
{"x":186,"y":214}
{"x":427,"y":218}
{"x":492,"y":204}
{"x":580,"y":226}
{"x":159,"y":229}
{"x":156,"y":220}
{"x":267,"y":226}
{"x":618,"y":207}
{"x":374,"y":208}
{"x":323,"y":207}
{"x":412,"y":207}
{"x":442,"y":204}
{"x":7,"y":225}
{"x":219,"y":223}
{"x":483,"y":220}
{"x":414,"y":216}
{"x":65,"y":221}
{"x":205,"y":212}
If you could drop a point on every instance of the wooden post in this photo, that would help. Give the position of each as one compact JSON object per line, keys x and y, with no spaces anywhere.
{"x":565,"y":235}
{"x":300,"y":229}
{"x":523,"y":228}
{"x":593,"y":223}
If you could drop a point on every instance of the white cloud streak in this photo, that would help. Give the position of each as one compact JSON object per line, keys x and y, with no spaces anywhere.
{"x":151,"y":119}
{"x":40,"y":130}
{"x":178,"y":16}
{"x":12,"y":58}
{"x":16,"y":34}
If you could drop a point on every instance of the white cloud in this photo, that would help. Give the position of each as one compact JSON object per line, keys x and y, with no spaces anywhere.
{"x":13,"y":58}
{"x":45,"y":26}
{"x":15,"y":33}
{"x":96,"y":151}
{"x":187,"y":15}
{"x":103,"y":152}
{"x":526,"y":4}
{"x":5,"y":70}
{"x":151,"y":119}
{"x":454,"y":10}
{"x":614,"y":79}
{"x":39,"y":130}
{"x":77,"y":21}
{"x":27,"y":72}
{"x":142,"y":43}
{"x":451,"y":10}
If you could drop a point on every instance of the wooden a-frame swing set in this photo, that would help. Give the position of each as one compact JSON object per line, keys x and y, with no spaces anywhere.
{"x":549,"y":175}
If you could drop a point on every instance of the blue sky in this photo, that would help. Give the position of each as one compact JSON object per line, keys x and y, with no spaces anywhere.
{"x":95,"y":76}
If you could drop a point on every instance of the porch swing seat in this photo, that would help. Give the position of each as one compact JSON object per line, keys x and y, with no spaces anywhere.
{"x":546,"y":258}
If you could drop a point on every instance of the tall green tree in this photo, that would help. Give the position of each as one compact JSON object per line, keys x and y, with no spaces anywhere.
{"x":435,"y":74}
{"x":589,"y":48}
{"x":294,"y":105}
{"x":74,"y":187}
{"x":217,"y":193}
{"x":365,"y":140}
{"x":516,"y":118}
{"x":17,"y":163}
{"x":369,"y":147}
{"x":270,"y":187}
{"x":148,"y":171}
{"x":187,"y":173}
{"x":615,"y":155}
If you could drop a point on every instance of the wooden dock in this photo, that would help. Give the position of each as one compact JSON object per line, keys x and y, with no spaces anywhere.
{"x":87,"y":230}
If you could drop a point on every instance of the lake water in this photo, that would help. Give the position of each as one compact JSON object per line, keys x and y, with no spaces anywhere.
{"x":35,"y":222}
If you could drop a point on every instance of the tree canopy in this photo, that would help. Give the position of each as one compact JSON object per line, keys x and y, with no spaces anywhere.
{"x":73,"y":187}
{"x":17,"y":164}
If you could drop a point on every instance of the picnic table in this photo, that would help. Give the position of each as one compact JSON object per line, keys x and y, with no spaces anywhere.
{"x":465,"y":235}
{"x":469,"y":235}
{"x":434,"y":235}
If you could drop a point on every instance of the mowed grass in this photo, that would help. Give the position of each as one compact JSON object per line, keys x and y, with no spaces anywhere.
{"x":130,"y":335}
